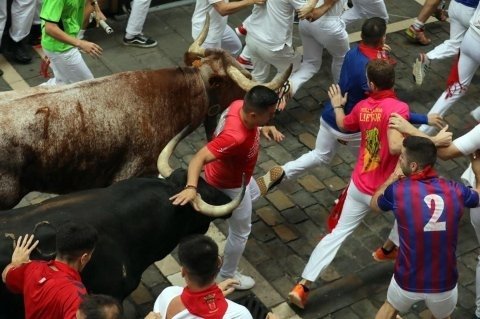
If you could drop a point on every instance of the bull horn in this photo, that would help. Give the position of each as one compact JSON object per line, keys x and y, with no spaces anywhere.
{"x":196,"y":46}
{"x":164,"y":168}
{"x":246,"y":84}
{"x":219,"y":210}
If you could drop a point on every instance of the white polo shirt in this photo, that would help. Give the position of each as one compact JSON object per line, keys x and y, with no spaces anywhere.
{"x":217,"y":22}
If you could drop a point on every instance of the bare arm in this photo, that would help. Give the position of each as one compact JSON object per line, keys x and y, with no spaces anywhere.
{"x":395,"y":140}
{"x":395,"y":176}
{"x":317,"y":13}
{"x":227,"y":8}
{"x":54,"y":31}
{"x":397,"y":122}
{"x":194,"y":169}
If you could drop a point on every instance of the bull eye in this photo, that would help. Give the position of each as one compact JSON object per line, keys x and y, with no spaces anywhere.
{"x":214,"y":110}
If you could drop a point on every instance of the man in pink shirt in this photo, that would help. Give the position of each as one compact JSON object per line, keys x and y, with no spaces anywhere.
{"x":232,"y":153}
{"x":378,"y":155}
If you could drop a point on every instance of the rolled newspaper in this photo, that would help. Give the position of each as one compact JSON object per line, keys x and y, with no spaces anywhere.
{"x":106,"y":27}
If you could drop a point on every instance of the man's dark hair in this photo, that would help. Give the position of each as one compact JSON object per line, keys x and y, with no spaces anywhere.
{"x":101,"y":307}
{"x":420,"y":150}
{"x":75,"y":239}
{"x":381,"y":73}
{"x":373,"y":31}
{"x":260,"y":99}
{"x":199,"y":255}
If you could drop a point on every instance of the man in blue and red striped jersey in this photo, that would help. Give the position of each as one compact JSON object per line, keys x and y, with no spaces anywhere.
{"x":428,"y":210}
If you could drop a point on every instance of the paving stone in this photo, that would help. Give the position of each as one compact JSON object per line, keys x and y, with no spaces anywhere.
{"x":269,"y":216}
{"x":467,"y":300}
{"x":176,"y":279}
{"x":151,"y":277}
{"x":262,"y":232}
{"x":365,"y":308}
{"x":308,"y":140}
{"x":285,"y":232}
{"x":276,"y":248}
{"x":311,"y":232}
{"x":293,"y":265}
{"x":270,"y":269}
{"x":335,"y":183}
{"x":318,"y":214}
{"x":283,"y":285}
{"x":294,"y":215}
{"x":301,"y":247}
{"x":254,"y":253}
{"x":346,"y":313}
{"x":303,"y":199}
{"x":283,"y":311}
{"x":280,"y":200}
{"x":168,"y":266}
{"x":141,"y":295}
{"x":466,"y":276}
{"x":311,"y":183}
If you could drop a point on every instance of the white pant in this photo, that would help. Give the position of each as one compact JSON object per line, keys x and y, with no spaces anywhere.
{"x":239,"y":227}
{"x":137,"y":17}
{"x":326,"y":147}
{"x":459,"y":16}
{"x":263,"y":58}
{"x":22,"y":12}
{"x":68,"y":67}
{"x":328,"y":33}
{"x":467,"y":66}
{"x":441,"y":304}
{"x":363,"y":9}
{"x":229,"y":42}
{"x":356,"y":206}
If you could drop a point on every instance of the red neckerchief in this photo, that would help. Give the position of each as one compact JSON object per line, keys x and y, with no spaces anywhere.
{"x":66,"y":269}
{"x":427,"y":172}
{"x":376,"y":53}
{"x":209,"y":303}
{"x":383,"y":94}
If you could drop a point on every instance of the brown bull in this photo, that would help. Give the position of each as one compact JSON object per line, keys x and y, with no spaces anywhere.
{"x":93,"y":133}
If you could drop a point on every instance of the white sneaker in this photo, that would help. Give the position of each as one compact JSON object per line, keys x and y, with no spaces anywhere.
{"x":245,"y":282}
{"x":422,"y":63}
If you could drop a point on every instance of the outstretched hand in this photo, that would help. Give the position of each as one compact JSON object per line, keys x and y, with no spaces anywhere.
{"x":443,"y":138}
{"x":23,"y":249}
{"x":336,"y":97}
{"x":228,"y":286}
{"x":184,"y":197}
{"x":271,"y":132}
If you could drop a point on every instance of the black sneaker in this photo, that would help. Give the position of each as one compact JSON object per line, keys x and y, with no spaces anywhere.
{"x":140,"y":41}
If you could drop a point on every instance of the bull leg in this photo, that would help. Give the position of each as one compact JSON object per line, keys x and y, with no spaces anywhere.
{"x":10,"y":191}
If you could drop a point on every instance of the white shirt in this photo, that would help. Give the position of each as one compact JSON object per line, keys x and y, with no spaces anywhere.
{"x":272,"y":24}
{"x":217,"y":22}
{"x":335,"y":11}
{"x":234,"y":311}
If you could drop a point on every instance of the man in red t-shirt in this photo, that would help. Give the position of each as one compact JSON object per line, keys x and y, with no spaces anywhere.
{"x":52,"y":290}
{"x":232,"y":153}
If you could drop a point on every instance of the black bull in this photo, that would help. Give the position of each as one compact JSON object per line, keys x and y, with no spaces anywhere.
{"x":136,"y":222}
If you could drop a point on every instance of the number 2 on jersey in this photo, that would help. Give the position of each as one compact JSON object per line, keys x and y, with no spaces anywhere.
{"x":435,"y":203}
